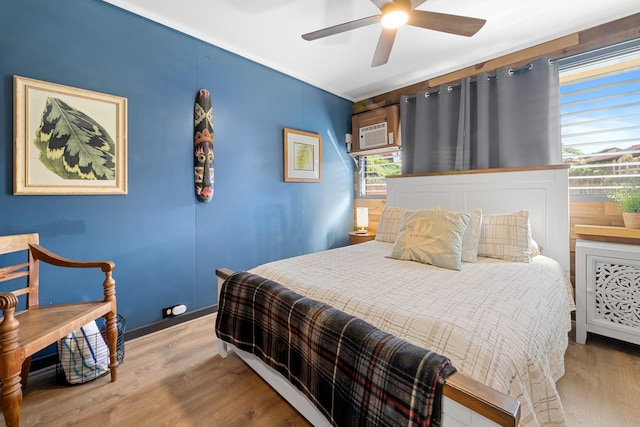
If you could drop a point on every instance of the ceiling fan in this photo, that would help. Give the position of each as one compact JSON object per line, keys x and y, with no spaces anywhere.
{"x":396,"y":13}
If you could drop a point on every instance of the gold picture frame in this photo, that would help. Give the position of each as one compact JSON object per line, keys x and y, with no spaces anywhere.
{"x":302,"y":156}
{"x":68,"y":140}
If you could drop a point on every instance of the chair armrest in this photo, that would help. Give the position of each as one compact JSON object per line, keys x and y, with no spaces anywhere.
{"x":49,"y":257}
{"x":9,"y":325}
{"x":41,"y":254}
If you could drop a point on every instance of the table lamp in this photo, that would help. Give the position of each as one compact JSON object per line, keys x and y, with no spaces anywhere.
{"x":362,"y":220}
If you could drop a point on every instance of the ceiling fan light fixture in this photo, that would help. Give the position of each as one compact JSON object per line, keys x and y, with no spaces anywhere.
{"x":396,"y":13}
{"x":394,"y":18}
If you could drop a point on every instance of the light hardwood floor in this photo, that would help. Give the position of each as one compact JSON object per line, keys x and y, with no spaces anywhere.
{"x":175,"y":378}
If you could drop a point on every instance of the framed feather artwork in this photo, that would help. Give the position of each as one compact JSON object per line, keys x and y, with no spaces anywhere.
{"x":68,"y":140}
{"x":302,"y":156}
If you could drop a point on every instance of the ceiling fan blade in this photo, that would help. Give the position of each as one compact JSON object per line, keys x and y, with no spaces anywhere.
{"x":453,"y":24}
{"x":341,"y":28}
{"x":383,"y":49}
{"x":416,"y":3}
{"x":380,"y":3}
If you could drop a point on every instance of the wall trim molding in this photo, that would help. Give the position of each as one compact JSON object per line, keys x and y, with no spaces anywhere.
{"x":169,"y":322}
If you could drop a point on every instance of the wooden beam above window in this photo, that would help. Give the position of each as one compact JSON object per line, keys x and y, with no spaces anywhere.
{"x":602,"y":35}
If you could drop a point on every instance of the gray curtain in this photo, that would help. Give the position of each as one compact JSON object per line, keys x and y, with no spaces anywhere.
{"x":508,"y":119}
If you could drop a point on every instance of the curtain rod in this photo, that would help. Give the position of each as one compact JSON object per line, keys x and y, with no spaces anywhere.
{"x":511,"y":72}
{"x":631,"y":46}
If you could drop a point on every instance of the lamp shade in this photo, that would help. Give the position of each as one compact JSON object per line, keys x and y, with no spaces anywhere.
{"x":362,"y":217}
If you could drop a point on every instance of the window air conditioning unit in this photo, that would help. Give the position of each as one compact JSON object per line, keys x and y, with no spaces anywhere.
{"x":374,"y":136}
{"x":376,"y":129}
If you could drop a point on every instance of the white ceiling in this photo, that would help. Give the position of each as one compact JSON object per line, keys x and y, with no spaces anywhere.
{"x":269,"y":32}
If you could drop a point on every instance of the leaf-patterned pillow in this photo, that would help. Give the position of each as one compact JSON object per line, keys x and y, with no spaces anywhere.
{"x":432,"y":237}
{"x":471,"y":236}
{"x":390,"y":221}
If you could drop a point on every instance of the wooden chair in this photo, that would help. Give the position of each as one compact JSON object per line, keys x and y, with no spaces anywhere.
{"x":26,"y":331}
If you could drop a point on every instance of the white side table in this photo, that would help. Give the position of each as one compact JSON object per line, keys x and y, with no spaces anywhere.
{"x":607,"y":290}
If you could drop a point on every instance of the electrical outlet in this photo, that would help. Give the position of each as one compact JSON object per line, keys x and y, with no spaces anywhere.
{"x":173,"y":311}
{"x":167,"y":312}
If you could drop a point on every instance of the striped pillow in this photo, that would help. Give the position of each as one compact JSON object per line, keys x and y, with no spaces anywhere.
{"x":389,"y":225}
{"x":506,"y":236}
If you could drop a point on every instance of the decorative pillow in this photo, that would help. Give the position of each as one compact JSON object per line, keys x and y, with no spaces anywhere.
{"x":535,"y":249}
{"x":431,"y":237}
{"x":471,"y":236}
{"x":389,"y":225}
{"x":506,"y":236}
{"x":390,"y":221}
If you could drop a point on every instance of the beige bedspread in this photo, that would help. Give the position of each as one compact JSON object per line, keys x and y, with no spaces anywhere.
{"x":503,"y":324}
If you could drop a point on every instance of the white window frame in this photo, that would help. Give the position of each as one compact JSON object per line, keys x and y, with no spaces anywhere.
{"x":621,"y":163}
{"x":363,"y":171}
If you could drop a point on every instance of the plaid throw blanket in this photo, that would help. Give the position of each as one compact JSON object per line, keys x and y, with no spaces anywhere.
{"x":356,"y":374}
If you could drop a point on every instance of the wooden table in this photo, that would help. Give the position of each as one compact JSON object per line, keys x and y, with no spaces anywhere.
{"x":355,"y":238}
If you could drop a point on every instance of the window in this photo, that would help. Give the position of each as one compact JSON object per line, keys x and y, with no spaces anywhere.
{"x":373,"y":170}
{"x":600,"y":116}
{"x":600,"y":122}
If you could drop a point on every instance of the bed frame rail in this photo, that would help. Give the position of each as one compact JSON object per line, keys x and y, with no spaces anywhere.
{"x":466,"y":402}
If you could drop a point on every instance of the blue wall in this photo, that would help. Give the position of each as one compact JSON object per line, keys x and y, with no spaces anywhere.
{"x":166,"y":244}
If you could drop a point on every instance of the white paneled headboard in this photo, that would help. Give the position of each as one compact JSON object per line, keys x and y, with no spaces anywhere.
{"x":542,"y":191}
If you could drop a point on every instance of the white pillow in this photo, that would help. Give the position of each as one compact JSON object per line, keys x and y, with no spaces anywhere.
{"x":535,"y":248}
{"x":506,"y":236}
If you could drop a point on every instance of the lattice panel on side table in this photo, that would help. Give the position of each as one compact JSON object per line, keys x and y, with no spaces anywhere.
{"x":607,"y":290}
{"x":617,"y":294}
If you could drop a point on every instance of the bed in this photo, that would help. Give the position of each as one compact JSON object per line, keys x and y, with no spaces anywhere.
{"x":503,"y":324}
